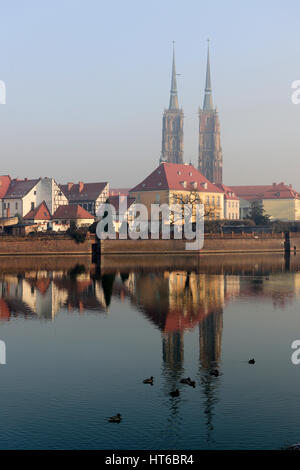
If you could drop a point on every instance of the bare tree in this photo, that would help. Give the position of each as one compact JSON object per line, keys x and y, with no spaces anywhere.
{"x":189,"y":201}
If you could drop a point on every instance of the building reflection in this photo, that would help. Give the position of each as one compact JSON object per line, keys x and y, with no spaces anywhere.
{"x":43,"y":294}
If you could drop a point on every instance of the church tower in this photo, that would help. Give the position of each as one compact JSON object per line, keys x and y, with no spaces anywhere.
{"x":172,"y":132}
{"x":210,"y":162}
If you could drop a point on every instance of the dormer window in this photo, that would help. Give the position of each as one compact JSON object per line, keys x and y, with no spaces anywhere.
{"x":204,"y":185}
{"x":190,"y":173}
{"x":184,"y":183}
{"x":179,"y":172}
{"x":194,"y":184}
{"x":159,"y":183}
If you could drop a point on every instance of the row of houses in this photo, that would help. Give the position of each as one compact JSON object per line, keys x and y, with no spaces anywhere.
{"x":44,"y":203}
{"x":170,"y":182}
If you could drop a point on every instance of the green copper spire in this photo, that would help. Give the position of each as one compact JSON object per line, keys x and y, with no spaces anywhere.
{"x":208,"y":101}
{"x":173,"y":93}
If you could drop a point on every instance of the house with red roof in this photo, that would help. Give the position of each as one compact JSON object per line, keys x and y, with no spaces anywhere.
{"x":231,"y":203}
{"x":279,"y":200}
{"x":65,"y":215}
{"x":40,"y":217}
{"x":87,"y":195}
{"x":171,"y":182}
{"x":24,"y":195}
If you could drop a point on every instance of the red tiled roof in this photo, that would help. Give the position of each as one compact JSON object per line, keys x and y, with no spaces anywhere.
{"x":19,"y":188}
{"x":39,"y":213}
{"x":4,"y":185}
{"x":273,"y":191}
{"x":83,"y":191}
{"x":228,"y":192}
{"x":72,"y":211}
{"x":172,"y":176}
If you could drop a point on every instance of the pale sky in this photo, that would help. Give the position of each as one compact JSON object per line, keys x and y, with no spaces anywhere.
{"x":87,"y":82}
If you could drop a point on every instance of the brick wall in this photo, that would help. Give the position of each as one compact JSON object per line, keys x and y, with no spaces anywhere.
{"x":42,"y":245}
{"x":212,"y":244}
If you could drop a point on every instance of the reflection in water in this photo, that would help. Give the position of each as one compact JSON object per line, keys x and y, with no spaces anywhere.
{"x":174,"y":301}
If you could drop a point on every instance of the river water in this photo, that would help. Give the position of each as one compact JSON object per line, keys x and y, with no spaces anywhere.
{"x":81,"y":339}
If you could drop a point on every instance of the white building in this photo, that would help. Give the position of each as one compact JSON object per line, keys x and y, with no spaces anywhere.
{"x":23,"y":196}
{"x":231,"y":203}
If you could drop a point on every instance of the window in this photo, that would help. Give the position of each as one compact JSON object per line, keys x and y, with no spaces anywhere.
{"x":213,"y":200}
{"x":32,"y":206}
{"x":138,"y":197}
{"x":218,"y":200}
{"x":16,"y":206}
{"x":207,"y":199}
{"x":157,"y":198}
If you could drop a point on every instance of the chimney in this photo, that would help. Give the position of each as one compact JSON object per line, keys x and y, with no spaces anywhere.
{"x":81,"y":185}
{"x":70,"y":185}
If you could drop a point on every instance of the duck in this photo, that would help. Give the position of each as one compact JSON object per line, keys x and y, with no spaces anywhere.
{"x":175,"y":393}
{"x":115,"y":419}
{"x":251,"y":361}
{"x":187,"y":381}
{"x":215,"y":373}
{"x":149,"y":381}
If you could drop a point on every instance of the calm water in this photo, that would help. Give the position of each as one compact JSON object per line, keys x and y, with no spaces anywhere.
{"x":80,"y":341}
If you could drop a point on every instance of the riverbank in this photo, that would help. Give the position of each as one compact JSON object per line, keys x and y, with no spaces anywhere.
{"x":64,"y":245}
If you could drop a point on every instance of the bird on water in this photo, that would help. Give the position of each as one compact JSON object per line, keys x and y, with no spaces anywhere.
{"x":149,"y":381}
{"x":115,"y":419}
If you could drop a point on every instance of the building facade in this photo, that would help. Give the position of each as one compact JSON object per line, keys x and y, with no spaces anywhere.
{"x":210,"y":159}
{"x":88,"y":195}
{"x":279,"y":201}
{"x":172,"y":131}
{"x":24,"y":195}
{"x":171,"y":183}
{"x":231,"y":203}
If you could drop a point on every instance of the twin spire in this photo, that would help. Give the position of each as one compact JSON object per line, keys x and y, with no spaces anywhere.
{"x":208,"y":101}
{"x":173,"y":93}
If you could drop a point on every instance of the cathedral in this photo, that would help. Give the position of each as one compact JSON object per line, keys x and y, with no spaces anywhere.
{"x":210,"y":160}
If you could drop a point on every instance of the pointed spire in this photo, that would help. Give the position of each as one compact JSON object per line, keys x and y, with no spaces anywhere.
{"x":208,"y":101}
{"x":173,"y":93}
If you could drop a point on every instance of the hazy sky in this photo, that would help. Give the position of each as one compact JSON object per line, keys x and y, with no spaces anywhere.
{"x":87,"y":82}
